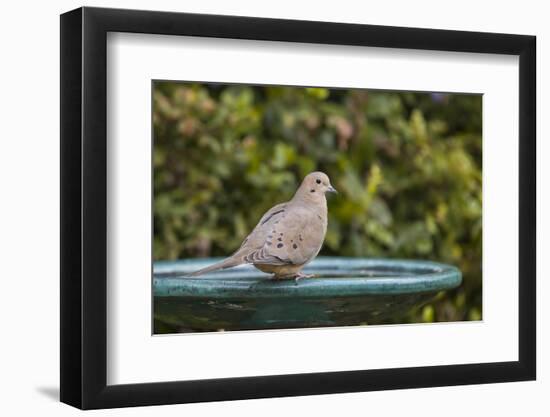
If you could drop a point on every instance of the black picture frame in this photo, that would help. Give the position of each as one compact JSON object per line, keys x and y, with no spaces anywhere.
{"x":84,"y":207}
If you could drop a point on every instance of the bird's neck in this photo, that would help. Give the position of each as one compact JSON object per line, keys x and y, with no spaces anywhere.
{"x":312,"y":199}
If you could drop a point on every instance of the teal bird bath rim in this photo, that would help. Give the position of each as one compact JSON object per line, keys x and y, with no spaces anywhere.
{"x":343,"y":292}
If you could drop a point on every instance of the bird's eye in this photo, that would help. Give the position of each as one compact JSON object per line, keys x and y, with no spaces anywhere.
{"x":318,"y":181}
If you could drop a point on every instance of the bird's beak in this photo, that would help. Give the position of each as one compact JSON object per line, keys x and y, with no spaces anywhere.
{"x":331,"y":189}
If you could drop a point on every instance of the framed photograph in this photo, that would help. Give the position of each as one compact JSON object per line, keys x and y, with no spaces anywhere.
{"x":257,"y":208}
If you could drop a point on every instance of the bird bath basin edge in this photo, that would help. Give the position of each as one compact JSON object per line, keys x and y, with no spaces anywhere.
{"x":343,"y":292}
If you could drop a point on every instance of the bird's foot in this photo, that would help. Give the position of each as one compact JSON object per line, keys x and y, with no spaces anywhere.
{"x":296,"y":277}
{"x":301,"y":275}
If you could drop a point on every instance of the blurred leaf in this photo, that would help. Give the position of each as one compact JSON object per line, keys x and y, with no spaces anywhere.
{"x":428,"y":314}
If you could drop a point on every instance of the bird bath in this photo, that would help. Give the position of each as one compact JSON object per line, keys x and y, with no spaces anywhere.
{"x":344,"y":292}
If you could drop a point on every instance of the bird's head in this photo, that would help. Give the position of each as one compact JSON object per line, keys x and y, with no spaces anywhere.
{"x":315,"y":185}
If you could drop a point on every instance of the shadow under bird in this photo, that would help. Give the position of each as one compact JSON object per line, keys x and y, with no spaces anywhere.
{"x":288,"y":236}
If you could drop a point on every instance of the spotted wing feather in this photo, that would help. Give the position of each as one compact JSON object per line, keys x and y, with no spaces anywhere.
{"x":292,"y":236}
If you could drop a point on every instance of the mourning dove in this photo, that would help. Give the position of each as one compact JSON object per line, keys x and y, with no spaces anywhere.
{"x":288,"y":236}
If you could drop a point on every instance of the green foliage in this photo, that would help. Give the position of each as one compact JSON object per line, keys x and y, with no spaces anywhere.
{"x":407,"y":166}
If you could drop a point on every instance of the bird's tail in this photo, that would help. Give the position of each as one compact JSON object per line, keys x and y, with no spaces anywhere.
{"x":226,"y":263}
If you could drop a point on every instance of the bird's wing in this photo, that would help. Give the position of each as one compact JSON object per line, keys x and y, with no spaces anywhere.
{"x":256,"y":239}
{"x":293,"y":236}
{"x":252,"y":247}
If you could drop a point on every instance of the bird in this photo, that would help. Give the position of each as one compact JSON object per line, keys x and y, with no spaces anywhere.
{"x":288,"y":236}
